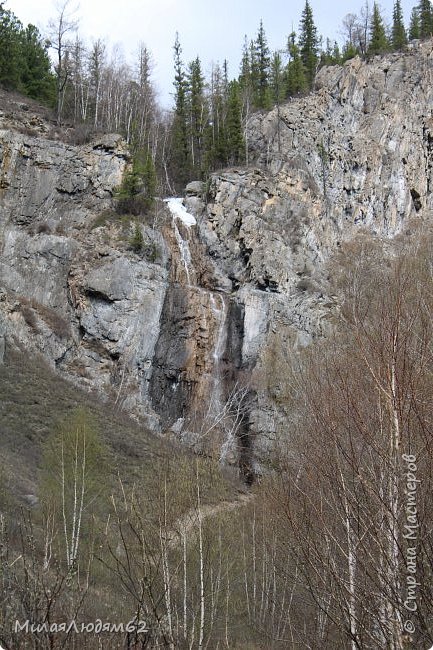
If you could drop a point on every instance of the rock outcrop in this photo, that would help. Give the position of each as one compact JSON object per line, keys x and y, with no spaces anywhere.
{"x":194,"y":332}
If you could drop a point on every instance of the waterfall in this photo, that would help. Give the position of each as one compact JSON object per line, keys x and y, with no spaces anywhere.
{"x":220,"y":313}
{"x":178,"y":211}
{"x":185,"y":253}
{"x":220,"y":415}
{"x":220,"y":404}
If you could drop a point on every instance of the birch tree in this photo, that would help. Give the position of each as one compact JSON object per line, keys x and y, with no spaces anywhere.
{"x":73,"y":478}
{"x":364,"y":401}
{"x":60,"y":30}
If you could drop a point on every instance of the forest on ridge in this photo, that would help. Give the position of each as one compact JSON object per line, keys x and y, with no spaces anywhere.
{"x":96,"y":91}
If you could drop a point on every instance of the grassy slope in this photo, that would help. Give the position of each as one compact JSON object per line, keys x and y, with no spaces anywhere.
{"x":33,"y":398}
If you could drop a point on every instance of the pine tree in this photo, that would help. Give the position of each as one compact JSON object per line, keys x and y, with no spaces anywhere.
{"x":245,"y":80}
{"x":245,"y":73}
{"x":336,"y":54}
{"x":349,"y":51}
{"x":277,"y":81}
{"x":425,"y":14}
{"x":136,"y":195}
{"x":235,"y":140}
{"x":216,"y":135}
{"x":399,"y":37}
{"x":146,"y":109}
{"x":144,"y":69}
{"x":261,"y":62}
{"x":180,"y":145}
{"x":278,"y":89}
{"x":24,"y":61}
{"x":331,"y":55}
{"x":414,"y":27}
{"x":136,"y":241}
{"x":37,"y":80}
{"x":308,"y":44}
{"x":10,"y":50}
{"x":246,"y":88}
{"x":127,"y":194}
{"x":378,"y":40}
{"x":296,"y":81}
{"x":197,"y":115}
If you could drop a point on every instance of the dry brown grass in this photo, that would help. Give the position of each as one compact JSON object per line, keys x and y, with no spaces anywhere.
{"x":59,"y":325}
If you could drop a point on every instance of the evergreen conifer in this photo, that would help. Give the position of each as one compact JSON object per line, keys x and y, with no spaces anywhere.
{"x":399,"y":36}
{"x":378,"y":40}
{"x":308,"y":44}
{"x":425,"y":14}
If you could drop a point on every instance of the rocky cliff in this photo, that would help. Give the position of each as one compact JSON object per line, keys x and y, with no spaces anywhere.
{"x":192,"y":333}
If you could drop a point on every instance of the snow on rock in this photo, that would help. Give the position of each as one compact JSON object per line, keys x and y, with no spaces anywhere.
{"x":179,"y":211}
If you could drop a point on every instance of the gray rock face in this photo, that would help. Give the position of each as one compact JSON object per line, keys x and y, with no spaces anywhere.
{"x":43,"y":182}
{"x":362,"y":142}
{"x":71,"y":291}
{"x":355,"y":155}
{"x":205,"y":318}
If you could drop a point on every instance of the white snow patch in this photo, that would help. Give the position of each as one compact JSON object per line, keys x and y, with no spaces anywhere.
{"x":179,"y":211}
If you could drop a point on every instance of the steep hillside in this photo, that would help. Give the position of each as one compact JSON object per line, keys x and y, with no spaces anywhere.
{"x":34,"y":399}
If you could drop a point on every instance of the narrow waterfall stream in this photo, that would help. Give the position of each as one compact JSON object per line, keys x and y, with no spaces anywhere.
{"x":179,"y":212}
{"x":185,"y":254}
{"x":221,"y":403}
{"x":212,"y":416}
{"x":220,"y":314}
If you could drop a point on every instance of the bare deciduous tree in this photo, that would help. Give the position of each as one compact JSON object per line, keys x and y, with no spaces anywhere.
{"x":365,"y":398}
{"x":60,"y":30}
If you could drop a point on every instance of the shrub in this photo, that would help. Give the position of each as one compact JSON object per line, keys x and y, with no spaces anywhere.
{"x":43,"y":228}
{"x":136,"y":242}
{"x":136,"y":195}
{"x":135,"y":205}
{"x":104,"y":217}
{"x":81,"y":134}
{"x":152,"y":252}
{"x":29,"y":317}
{"x":55,"y":322}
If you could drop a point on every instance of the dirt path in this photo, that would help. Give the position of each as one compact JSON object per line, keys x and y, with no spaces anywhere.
{"x":187,"y":525}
